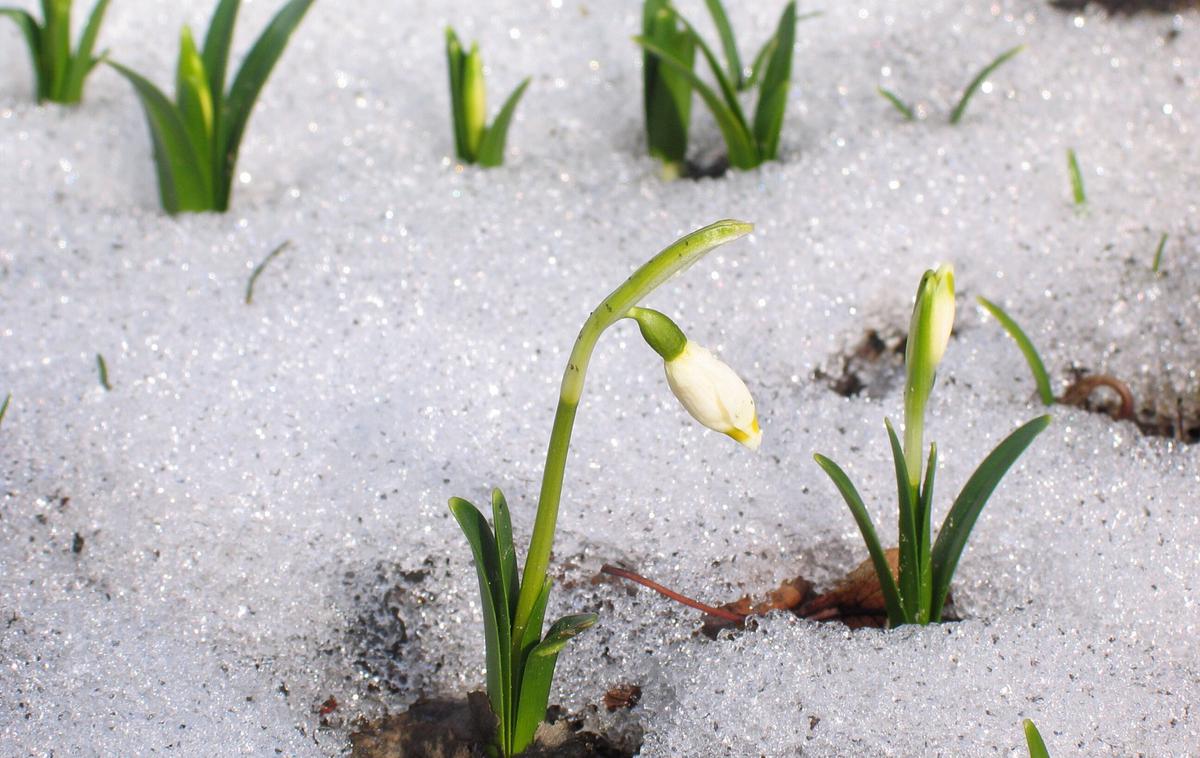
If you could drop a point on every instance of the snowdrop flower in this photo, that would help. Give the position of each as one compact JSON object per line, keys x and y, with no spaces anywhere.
{"x":928,"y":335}
{"x":714,"y":394}
{"x":709,"y":390}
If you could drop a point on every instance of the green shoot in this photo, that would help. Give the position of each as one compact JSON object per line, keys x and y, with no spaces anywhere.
{"x":957,"y":114}
{"x":259,"y":269}
{"x":1033,"y":740}
{"x":897,"y":103}
{"x":1040,"y":377}
{"x":750,"y":143}
{"x":1158,"y":253}
{"x":4,"y":407}
{"x":102,"y":369}
{"x":520,"y":659}
{"x":917,"y":595}
{"x":1077,"y":191}
{"x":196,"y":138}
{"x":58,"y":74}
{"x":666,"y":94}
{"x":474,"y":140}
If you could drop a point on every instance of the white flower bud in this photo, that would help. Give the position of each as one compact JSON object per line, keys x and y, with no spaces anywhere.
{"x":714,"y":395}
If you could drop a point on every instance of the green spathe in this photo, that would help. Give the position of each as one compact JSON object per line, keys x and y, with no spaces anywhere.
{"x":928,"y":334}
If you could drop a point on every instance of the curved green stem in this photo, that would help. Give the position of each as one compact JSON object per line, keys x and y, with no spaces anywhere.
{"x":681,"y":254}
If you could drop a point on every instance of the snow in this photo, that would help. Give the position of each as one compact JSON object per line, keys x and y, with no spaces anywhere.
{"x":262,"y":494}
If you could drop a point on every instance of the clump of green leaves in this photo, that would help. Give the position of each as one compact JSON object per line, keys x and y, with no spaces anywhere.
{"x":58,"y":74}
{"x":474,"y":140}
{"x":197,"y":137}
{"x":918,"y":594}
{"x":669,"y":42}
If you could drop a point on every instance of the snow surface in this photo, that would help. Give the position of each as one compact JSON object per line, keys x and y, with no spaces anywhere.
{"x":262,"y":494}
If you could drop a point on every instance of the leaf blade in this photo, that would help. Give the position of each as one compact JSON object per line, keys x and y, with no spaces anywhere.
{"x":1025,"y":345}
{"x":539,"y":673}
{"x":666,"y":94}
{"x":910,"y":566}
{"x":491,"y":149}
{"x":33,"y":40}
{"x":1034,"y":741}
{"x":956,"y":528}
{"x":217,"y":43}
{"x":897,"y":103}
{"x":728,"y":42}
{"x":82,"y":62}
{"x":773,"y":91}
{"x":961,"y":108}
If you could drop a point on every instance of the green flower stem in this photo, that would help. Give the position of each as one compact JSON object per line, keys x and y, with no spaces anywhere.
{"x":677,"y":257}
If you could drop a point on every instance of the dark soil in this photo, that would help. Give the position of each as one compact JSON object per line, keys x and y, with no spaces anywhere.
{"x":872,"y":367}
{"x":1128,"y":7}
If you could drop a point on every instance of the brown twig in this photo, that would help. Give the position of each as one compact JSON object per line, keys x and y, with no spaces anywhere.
{"x":718,"y":612}
{"x":1079,"y":392}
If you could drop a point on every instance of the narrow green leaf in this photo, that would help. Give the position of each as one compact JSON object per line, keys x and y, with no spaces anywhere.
{"x":1040,"y":376}
{"x":496,"y":623}
{"x":83,"y":61}
{"x":502,"y":522}
{"x":539,"y":672}
{"x":102,"y":370}
{"x":742,"y":153}
{"x":957,"y":114}
{"x":533,"y":630}
{"x":195,"y":105}
{"x":33,"y":40}
{"x":1077,"y":191}
{"x":887,"y":584}
{"x":1158,"y":253}
{"x":924,"y":512}
{"x":455,"y":60}
{"x":217,"y":43}
{"x":909,"y":535}
{"x":56,"y":44}
{"x":474,"y":101}
{"x":728,"y":91}
{"x":952,"y":537}
{"x":4,"y":407}
{"x":728,"y":42}
{"x":667,"y":95}
{"x":260,"y":267}
{"x":1033,"y":740}
{"x":180,"y":181}
{"x":773,"y":92}
{"x":251,"y":77}
{"x":759,"y":66}
{"x":897,"y":103}
{"x":491,"y":149}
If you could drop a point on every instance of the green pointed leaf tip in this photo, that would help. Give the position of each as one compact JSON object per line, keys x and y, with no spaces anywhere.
{"x":773,"y":91}
{"x":1078,"y":194}
{"x":957,"y":114}
{"x":491,"y":150}
{"x":1034,"y":741}
{"x":1040,"y":377}
{"x":905,"y":110}
{"x":32,"y":33}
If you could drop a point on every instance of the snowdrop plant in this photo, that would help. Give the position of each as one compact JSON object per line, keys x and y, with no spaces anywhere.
{"x":474,"y":140}
{"x":196,"y":138}
{"x":671,"y":41}
{"x":58,"y":74}
{"x":520,"y":657}
{"x":917,"y":595}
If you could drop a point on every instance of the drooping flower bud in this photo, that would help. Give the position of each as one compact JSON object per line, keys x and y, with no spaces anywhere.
{"x":928,"y":335}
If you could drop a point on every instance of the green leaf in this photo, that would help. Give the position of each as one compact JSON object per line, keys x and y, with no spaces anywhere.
{"x":83,"y":61}
{"x":474,"y":101}
{"x":533,"y":630}
{"x":496,"y":623}
{"x":952,"y":538}
{"x":909,"y":539}
{"x":897,"y":103}
{"x":456,"y":59}
{"x":217,"y":43}
{"x":33,"y":40}
{"x":1158,"y":253}
{"x":491,"y":149}
{"x":539,"y":672}
{"x":667,"y":95}
{"x":257,"y":66}
{"x":773,"y":92}
{"x":56,"y":45}
{"x":887,"y":584}
{"x":759,"y":66}
{"x":1077,"y":191}
{"x":1033,"y":740}
{"x":728,"y":42}
{"x":728,"y":91}
{"x":957,"y":114}
{"x":4,"y":407}
{"x":742,"y":153}
{"x":195,"y":105}
{"x":1040,"y":377}
{"x":508,"y":554}
{"x":180,"y":181}
{"x":924,"y":512}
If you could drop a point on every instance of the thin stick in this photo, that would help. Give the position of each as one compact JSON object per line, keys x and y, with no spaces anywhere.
{"x":259,"y":269}
{"x":718,"y":612}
